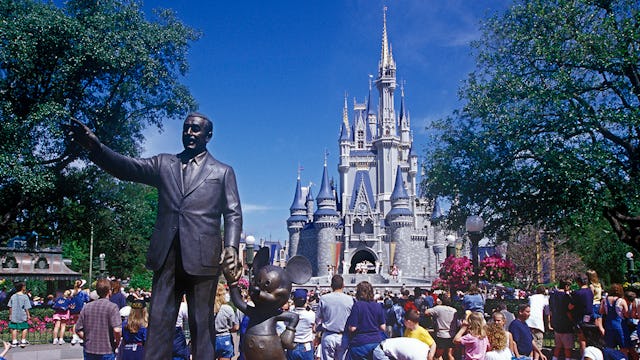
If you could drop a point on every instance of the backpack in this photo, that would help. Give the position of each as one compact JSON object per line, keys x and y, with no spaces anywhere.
{"x":390,"y":317}
{"x":77,"y":302}
{"x":61,"y":304}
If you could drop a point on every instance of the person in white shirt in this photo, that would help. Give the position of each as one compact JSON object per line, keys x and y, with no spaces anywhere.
{"x":539,"y":304}
{"x":401,"y":348}
{"x":305,"y":329}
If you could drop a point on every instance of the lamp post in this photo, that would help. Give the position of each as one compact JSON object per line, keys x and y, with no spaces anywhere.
{"x":103,"y":269}
{"x":439,"y":249}
{"x":250,"y":241}
{"x":474,"y":226}
{"x":631,"y":269}
{"x":451,"y":245}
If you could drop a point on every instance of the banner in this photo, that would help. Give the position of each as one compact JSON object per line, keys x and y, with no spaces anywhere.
{"x":274,"y":250}
{"x":392,"y":254}
{"x":338,"y":251}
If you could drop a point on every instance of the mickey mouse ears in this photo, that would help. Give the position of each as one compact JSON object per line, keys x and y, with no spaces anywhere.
{"x":299,"y":269}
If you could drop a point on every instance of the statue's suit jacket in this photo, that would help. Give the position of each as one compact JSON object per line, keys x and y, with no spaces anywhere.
{"x":194,"y":214}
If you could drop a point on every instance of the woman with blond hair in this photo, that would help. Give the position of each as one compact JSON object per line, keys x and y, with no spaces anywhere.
{"x":498,"y":343}
{"x":134,"y":332}
{"x":225,"y":322}
{"x":596,"y":289}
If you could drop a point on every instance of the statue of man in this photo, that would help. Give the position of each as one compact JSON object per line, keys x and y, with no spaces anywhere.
{"x":195,"y":191}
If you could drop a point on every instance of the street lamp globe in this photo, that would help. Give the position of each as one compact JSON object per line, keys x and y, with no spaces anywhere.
{"x":474,"y":224}
{"x":451,"y":239}
{"x":629,"y":255}
{"x":250,"y":240}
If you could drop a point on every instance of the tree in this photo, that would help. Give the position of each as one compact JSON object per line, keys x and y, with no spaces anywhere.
{"x":550,"y":126}
{"x":99,"y":61}
{"x":121,"y":216}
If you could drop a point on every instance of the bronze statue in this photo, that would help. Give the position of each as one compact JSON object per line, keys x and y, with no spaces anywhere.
{"x":269,"y":290}
{"x":195,"y":191}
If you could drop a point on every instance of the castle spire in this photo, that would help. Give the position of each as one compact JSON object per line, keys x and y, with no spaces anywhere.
{"x":402,"y":102}
{"x":345,"y":114}
{"x":385,"y":55}
{"x":298,"y":201}
{"x":325,"y":187}
{"x":399,"y":192}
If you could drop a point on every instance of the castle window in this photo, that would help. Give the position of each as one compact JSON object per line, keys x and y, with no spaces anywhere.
{"x":358,"y":228}
{"x":360,"y":144}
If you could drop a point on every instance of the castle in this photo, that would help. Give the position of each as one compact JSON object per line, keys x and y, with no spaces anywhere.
{"x":375,"y":215}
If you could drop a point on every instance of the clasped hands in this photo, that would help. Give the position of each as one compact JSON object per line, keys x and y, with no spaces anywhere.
{"x":231,"y":267}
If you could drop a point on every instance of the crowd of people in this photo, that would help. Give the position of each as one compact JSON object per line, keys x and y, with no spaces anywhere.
{"x":365,"y":324}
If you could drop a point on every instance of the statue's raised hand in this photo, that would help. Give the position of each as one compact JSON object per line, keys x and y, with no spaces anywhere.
{"x":81,"y":134}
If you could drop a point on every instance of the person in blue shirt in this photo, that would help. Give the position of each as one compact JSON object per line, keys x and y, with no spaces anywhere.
{"x":522,"y":336}
{"x":134,"y":332}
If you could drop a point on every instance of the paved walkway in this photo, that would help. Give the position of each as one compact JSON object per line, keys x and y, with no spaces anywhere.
{"x":46,"y":352}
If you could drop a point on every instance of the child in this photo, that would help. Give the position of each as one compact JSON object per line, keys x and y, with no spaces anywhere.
{"x":472,"y":335}
{"x":61,"y":316}
{"x":19,"y":306}
{"x":134,"y":332}
{"x":415,"y":331}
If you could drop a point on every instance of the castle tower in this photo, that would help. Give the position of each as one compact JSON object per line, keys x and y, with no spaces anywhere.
{"x":309,"y":204}
{"x":400,"y":220}
{"x":296,"y":220}
{"x":325,"y":222}
{"x":388,"y":142}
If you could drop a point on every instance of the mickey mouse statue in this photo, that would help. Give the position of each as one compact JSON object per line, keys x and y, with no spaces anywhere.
{"x":269,"y":290}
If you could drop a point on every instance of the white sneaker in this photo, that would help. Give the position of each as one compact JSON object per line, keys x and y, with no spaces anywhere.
{"x":14,"y":343}
{"x":55,"y":341}
{"x":24,"y":343}
{"x":80,"y":341}
{"x":61,"y":341}
{"x":75,"y":339}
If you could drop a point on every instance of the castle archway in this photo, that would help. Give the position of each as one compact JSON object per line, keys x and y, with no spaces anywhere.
{"x":363,"y":260}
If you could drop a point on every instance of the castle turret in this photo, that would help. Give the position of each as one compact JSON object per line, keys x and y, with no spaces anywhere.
{"x":325,"y":222}
{"x":400,"y":221}
{"x":296,"y":220}
{"x":309,"y":204}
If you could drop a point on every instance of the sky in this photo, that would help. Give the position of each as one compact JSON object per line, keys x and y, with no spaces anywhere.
{"x":272,"y":75}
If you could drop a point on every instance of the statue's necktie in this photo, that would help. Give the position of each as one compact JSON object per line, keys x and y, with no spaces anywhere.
{"x":188,"y":171}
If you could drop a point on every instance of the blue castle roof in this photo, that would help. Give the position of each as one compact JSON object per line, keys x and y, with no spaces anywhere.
{"x":298,"y":201}
{"x":362,"y":178}
{"x":325,"y":187}
{"x":399,"y":192}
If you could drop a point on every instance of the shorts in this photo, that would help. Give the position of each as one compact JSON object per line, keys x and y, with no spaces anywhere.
{"x":224,"y":346}
{"x":537,"y":337}
{"x":63,"y":317}
{"x":73,"y":318}
{"x":596,"y":311}
{"x":444,"y":343}
{"x":19,"y":326}
{"x":564,"y":341}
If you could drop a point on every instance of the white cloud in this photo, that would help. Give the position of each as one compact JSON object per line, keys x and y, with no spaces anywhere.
{"x":251,"y":208}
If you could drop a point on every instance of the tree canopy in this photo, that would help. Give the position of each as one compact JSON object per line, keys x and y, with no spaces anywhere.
{"x":102,"y":62}
{"x":550,"y":125}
